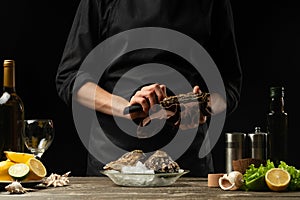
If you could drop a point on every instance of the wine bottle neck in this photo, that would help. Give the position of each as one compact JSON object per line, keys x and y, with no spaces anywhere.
{"x":9,"y":89}
{"x":9,"y":77}
{"x":277,"y":104}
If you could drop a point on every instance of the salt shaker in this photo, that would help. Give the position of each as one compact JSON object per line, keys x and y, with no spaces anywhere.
{"x":235,"y":148}
{"x":258,"y":143}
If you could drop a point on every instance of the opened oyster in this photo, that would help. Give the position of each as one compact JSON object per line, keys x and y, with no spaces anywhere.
{"x":128,"y":159}
{"x":170,"y":101}
{"x":161,"y":162}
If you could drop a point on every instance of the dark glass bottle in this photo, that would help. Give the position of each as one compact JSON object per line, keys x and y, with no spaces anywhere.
{"x":277,"y":125}
{"x":11,"y":113}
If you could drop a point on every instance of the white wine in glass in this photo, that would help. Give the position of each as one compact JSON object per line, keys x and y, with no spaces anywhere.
{"x":38,"y":135}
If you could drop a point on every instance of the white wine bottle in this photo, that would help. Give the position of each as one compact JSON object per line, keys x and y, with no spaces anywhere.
{"x":11,"y":113}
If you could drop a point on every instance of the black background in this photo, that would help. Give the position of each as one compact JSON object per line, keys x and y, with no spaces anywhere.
{"x":34,"y":34}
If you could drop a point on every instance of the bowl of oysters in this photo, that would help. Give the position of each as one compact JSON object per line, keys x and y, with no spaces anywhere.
{"x":134,"y":169}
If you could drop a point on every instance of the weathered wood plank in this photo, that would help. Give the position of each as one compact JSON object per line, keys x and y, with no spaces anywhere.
{"x":102,"y":188}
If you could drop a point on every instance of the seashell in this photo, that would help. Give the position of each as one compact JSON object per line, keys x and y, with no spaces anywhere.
{"x":16,"y":188}
{"x":57,"y":180}
{"x":232,"y":181}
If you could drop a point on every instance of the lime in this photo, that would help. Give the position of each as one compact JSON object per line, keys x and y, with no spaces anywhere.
{"x":277,"y":179}
{"x":18,"y":171}
{"x":258,"y":184}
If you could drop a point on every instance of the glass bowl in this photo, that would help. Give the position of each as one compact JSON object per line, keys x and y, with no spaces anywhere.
{"x":143,"y":180}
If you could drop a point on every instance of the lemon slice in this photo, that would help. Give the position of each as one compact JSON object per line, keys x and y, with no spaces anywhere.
{"x":4,"y":166}
{"x":18,"y":171}
{"x":18,"y":157}
{"x":277,"y":179}
{"x":37,"y":169}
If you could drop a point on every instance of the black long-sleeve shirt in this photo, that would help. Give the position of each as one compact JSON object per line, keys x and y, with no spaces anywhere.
{"x":208,"y":22}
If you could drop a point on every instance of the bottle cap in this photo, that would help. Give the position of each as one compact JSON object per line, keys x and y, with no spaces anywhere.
{"x":277,"y":92}
{"x":9,"y":63}
{"x":257,"y":129}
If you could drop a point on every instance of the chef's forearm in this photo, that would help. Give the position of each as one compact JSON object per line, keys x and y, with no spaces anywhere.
{"x":95,"y":97}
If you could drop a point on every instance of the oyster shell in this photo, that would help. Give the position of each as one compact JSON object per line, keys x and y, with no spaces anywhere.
{"x":161,"y":162}
{"x":128,"y":159}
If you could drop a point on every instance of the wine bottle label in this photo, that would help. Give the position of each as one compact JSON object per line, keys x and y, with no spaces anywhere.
{"x":4,"y":98}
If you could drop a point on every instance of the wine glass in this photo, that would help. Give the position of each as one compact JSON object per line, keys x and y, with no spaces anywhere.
{"x":38,"y":135}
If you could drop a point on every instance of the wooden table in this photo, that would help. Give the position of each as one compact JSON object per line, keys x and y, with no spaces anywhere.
{"x":103,"y":188}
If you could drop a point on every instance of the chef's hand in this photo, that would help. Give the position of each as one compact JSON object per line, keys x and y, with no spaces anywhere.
{"x":184,"y":116}
{"x":188,"y":116}
{"x":147,"y":97}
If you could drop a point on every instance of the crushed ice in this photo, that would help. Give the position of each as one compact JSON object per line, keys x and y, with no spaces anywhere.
{"x":139,"y":168}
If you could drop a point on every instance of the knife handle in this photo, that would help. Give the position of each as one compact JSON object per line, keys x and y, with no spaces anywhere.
{"x":133,"y":108}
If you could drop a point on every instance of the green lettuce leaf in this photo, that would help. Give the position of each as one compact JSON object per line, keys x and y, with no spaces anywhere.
{"x":253,"y":173}
{"x":294,"y":173}
{"x":257,"y":173}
